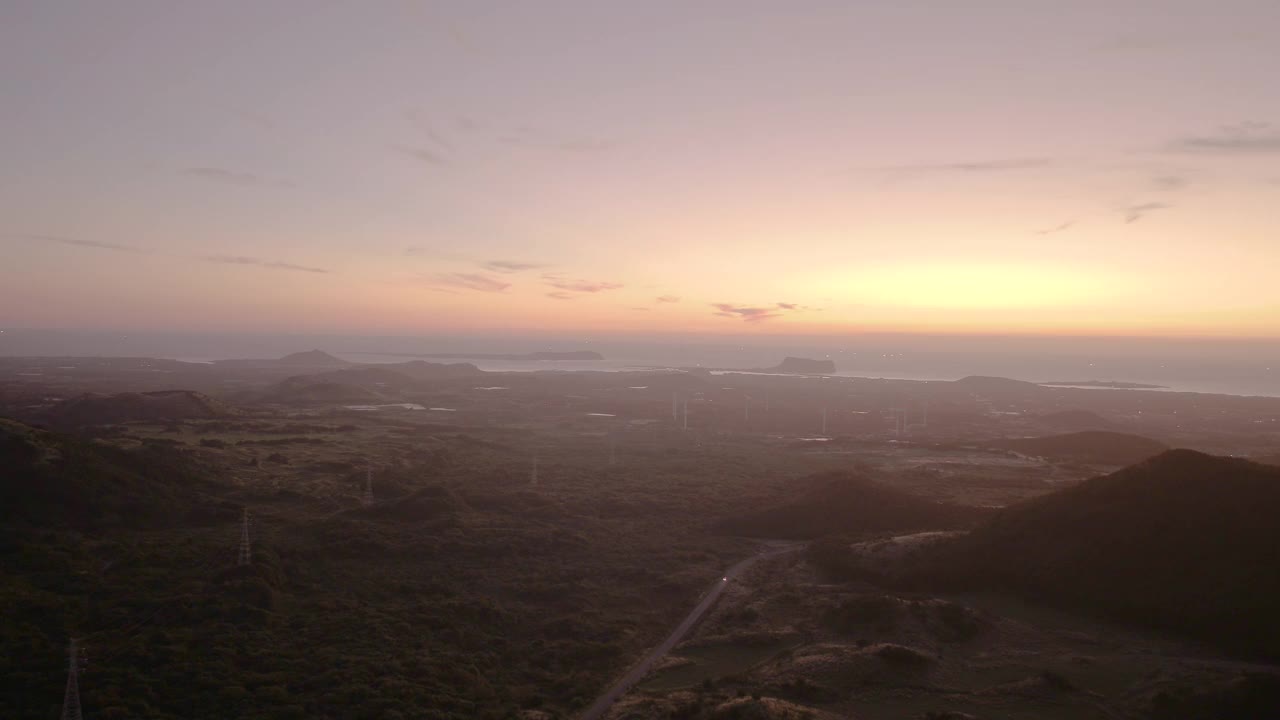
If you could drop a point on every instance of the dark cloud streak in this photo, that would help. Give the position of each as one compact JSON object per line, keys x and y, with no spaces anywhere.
{"x":1134,"y":213}
{"x":467,"y":281}
{"x":509,"y":266}
{"x":426,"y":155}
{"x":229,"y":177}
{"x":259,"y":262}
{"x":76,"y":242}
{"x":1063,"y":227}
{"x":982,"y":166}
{"x":1250,"y":138}
{"x":580,"y":286}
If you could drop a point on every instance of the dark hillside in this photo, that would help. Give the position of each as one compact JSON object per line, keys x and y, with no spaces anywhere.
{"x":1075,"y":421}
{"x":156,"y":406}
{"x":55,"y":481}
{"x":1184,"y":541}
{"x":1091,"y":446}
{"x":847,"y":504}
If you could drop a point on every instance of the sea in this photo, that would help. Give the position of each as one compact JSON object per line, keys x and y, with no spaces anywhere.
{"x":1224,"y":366}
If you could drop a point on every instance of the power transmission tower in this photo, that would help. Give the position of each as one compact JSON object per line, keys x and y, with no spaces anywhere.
{"x":900,"y":418}
{"x":246,"y":547}
{"x":686,"y":413}
{"x":824,"y":420}
{"x":71,"y":698}
{"x":367,"y":499}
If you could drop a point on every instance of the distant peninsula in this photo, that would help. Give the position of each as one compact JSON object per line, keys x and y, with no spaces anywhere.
{"x":546,"y":356}
{"x":1112,"y":384}
{"x":788,"y":366}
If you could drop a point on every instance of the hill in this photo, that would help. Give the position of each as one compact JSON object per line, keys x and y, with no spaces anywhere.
{"x":848,"y":504}
{"x":545,"y":355}
{"x":1075,"y":421}
{"x":985,"y":383}
{"x":53,"y":480}
{"x":803,"y":366}
{"x":349,"y":385}
{"x":312,"y":358}
{"x":1091,"y":446}
{"x":423,"y":370}
{"x":1183,"y":541}
{"x":157,"y":406}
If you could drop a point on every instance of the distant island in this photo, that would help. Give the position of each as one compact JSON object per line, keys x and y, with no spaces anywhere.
{"x":546,"y":356}
{"x":310,"y":358}
{"x":788,"y":366}
{"x":1113,"y":384}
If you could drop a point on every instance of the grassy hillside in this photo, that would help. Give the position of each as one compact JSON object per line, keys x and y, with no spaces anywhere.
{"x":847,"y":504}
{"x":1183,"y":541}
{"x":1092,"y":446}
{"x":462,"y":593}
{"x":55,"y":480}
{"x":156,"y":406}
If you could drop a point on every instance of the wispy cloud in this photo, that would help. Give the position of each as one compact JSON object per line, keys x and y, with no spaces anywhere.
{"x":980,"y":166}
{"x":509,"y":266}
{"x":1134,"y":213}
{"x":259,"y":262}
{"x":667,"y":299}
{"x":220,"y":259}
{"x":580,"y":286}
{"x":230,"y":177}
{"x":76,"y":242}
{"x":466,"y":281}
{"x":1170,"y":183}
{"x":748,"y":314}
{"x":1250,"y":138}
{"x":560,"y":295}
{"x":428,"y":129}
{"x":586,"y":145}
{"x":425,"y":155}
{"x":755,"y":314}
{"x":539,"y":139}
{"x":1063,"y":227}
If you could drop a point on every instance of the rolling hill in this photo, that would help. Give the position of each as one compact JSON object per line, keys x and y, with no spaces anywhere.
{"x":1091,"y":446}
{"x":156,"y":406}
{"x":53,"y":480}
{"x":1183,"y":541}
{"x":848,"y":504}
{"x":1075,"y":421}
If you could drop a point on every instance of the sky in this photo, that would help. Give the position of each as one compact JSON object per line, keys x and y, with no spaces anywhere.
{"x":1099,"y":167}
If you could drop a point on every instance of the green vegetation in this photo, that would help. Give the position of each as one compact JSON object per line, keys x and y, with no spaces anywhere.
{"x":462,"y":593}
{"x":1183,"y":541}
{"x":1092,"y":446}
{"x":845,"y":503}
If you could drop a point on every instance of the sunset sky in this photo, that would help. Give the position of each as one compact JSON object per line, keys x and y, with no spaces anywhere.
{"x":1011,"y":166}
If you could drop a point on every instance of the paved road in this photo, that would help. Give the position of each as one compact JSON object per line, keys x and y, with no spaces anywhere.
{"x":639,"y":670}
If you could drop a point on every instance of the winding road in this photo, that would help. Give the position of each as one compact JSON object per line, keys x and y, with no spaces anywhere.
{"x":642,"y":668}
